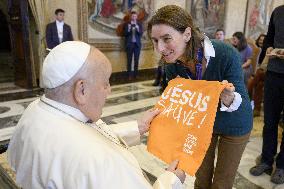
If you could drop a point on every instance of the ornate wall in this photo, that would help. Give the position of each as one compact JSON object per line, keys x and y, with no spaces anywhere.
{"x":235,"y":16}
{"x":161,"y":3}
{"x":258,"y":16}
{"x":117,"y":57}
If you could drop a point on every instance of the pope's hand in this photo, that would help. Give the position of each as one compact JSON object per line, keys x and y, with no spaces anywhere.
{"x":178,"y":172}
{"x":227,"y":96}
{"x":144,"y":122}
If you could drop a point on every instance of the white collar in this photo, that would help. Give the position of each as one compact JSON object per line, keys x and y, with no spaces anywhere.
{"x":208,"y":49}
{"x":59,"y":23}
{"x":73,"y":112}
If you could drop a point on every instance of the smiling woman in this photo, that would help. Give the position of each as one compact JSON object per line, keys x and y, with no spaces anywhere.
{"x":167,"y":34}
{"x":169,"y":42}
{"x":191,"y":55}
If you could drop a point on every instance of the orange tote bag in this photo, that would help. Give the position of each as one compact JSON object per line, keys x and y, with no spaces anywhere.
{"x":184,"y":127}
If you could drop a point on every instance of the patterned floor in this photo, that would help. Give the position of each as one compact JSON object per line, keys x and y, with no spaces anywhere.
{"x":127,"y":102}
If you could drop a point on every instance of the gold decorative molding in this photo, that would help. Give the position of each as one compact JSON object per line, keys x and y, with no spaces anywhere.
{"x":82,"y":18}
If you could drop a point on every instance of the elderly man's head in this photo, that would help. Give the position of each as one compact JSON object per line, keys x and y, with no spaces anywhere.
{"x":86,"y":86}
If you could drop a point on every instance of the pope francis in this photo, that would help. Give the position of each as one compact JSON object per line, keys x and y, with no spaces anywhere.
{"x":60,"y":141}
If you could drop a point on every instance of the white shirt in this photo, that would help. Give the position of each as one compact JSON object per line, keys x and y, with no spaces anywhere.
{"x":210,"y":52}
{"x":53,"y":148}
{"x":59,"y":26}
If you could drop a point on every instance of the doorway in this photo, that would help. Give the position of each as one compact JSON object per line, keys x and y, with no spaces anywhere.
{"x":15,"y":57}
{"x":6,"y":60}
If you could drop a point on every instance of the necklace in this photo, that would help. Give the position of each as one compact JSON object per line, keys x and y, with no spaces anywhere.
{"x":102,"y":128}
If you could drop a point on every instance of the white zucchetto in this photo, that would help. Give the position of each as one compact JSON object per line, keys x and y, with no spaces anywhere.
{"x":63,"y":62}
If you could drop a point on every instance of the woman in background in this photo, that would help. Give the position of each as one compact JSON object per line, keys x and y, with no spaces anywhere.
{"x":256,"y":83}
{"x":240,"y":42}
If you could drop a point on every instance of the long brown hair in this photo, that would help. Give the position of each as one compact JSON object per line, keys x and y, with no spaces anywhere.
{"x":258,"y":39}
{"x":179,"y":19}
{"x":242,"y":40}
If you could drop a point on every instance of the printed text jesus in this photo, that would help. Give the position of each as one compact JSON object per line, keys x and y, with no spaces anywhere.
{"x":178,"y":98}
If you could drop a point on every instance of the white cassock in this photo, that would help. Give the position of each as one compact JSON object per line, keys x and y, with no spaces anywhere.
{"x":52,"y":147}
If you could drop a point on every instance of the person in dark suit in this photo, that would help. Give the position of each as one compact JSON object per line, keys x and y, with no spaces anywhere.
{"x":57,"y":31}
{"x":133,"y":31}
{"x":273,"y":100}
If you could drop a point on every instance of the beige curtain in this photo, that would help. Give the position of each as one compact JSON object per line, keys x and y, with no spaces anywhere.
{"x":33,"y":67}
{"x":38,"y":8}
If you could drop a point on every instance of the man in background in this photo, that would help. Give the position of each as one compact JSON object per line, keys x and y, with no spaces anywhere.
{"x":133,"y":32}
{"x":57,"y":31}
{"x":273,"y":47}
{"x":220,"y":34}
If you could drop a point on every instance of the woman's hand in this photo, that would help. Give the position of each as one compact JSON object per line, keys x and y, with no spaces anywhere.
{"x":247,"y":63}
{"x":146,"y":119}
{"x":227,"y":96}
{"x":178,"y":172}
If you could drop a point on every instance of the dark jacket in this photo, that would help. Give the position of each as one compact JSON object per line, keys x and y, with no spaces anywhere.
{"x":275,"y":39}
{"x":128,"y":35}
{"x":51,"y":34}
{"x":226,"y":65}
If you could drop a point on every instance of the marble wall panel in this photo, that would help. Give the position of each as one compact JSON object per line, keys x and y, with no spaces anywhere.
{"x":235,"y":16}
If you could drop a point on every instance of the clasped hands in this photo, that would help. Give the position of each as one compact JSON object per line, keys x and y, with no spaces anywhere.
{"x":272,"y":53}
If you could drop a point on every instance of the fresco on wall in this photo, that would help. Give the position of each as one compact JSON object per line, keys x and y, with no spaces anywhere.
{"x":104,"y":16}
{"x":258,"y":15}
{"x":208,"y":15}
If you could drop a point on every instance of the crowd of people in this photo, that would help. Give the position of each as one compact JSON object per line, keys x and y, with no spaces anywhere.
{"x":68,"y":131}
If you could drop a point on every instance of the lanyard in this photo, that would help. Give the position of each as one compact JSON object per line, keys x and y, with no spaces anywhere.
{"x":198,"y":66}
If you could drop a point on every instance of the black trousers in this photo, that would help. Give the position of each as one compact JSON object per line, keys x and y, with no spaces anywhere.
{"x":273,"y":106}
{"x":133,"y":49}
